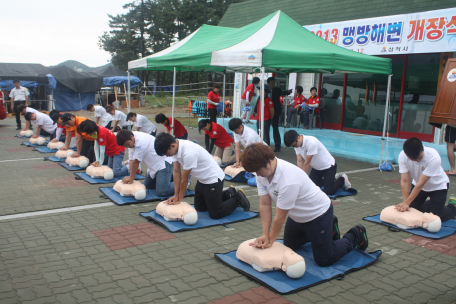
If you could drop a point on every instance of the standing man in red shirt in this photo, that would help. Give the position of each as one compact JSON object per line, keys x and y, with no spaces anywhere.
{"x":218,"y":137}
{"x":309,"y":107}
{"x":213,"y":100}
{"x":247,"y":97}
{"x":179,"y":130}
{"x":268,"y":115}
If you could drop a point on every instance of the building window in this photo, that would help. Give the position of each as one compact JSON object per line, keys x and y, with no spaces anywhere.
{"x":331,"y":92}
{"x":419,"y":92}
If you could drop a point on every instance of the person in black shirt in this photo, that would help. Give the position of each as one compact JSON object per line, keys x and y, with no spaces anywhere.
{"x":276,"y":92}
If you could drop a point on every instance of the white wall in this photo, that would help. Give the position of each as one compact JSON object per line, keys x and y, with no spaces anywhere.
{"x":307,"y":80}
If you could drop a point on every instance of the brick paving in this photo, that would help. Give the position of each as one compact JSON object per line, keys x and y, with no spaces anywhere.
{"x":63,"y":258}
{"x":446,"y":245}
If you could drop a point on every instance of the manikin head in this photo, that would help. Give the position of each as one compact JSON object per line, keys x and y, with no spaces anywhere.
{"x":413,"y":149}
{"x":293,"y":139}
{"x":125,"y":138}
{"x":260,"y":159}
{"x":236,"y":126}
{"x":131,"y":116}
{"x":166,"y":144}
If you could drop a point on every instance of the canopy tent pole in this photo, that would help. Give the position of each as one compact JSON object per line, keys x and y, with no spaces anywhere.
{"x":174,"y":101}
{"x":262,"y":105}
{"x":223,"y":111}
{"x":386,"y":116}
{"x":128,"y":99}
{"x":286,"y":109}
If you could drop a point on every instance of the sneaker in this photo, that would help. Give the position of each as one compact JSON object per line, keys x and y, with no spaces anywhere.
{"x":363,"y":242}
{"x":336,"y":232}
{"x":231,"y":190}
{"x":347,"y":184}
{"x":277,"y":149}
{"x":244,"y":202}
{"x":452,"y":200}
{"x":336,"y":177}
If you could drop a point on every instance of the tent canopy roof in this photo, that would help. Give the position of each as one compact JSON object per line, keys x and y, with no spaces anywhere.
{"x":276,"y":42}
{"x":79,"y":82}
{"x":24,"y":71}
{"x":107,"y":70}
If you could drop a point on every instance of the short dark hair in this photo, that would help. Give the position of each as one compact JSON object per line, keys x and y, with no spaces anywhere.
{"x":313,"y":88}
{"x":87,"y":126}
{"x":109,"y":108}
{"x":21,"y":107}
{"x":256,"y":156}
{"x":290,"y":137}
{"x":53,"y":112}
{"x":55,"y":117}
{"x":299,"y":89}
{"x":234,"y":123}
{"x":28,"y":116}
{"x":130,"y":115}
{"x":217,"y":86}
{"x":163,"y":142}
{"x":413,"y":147}
{"x":160,"y":118}
{"x":255,"y":80}
{"x":89,"y":106}
{"x":16,"y":80}
{"x":123,"y":136}
{"x":202,"y":123}
{"x":270,"y":79}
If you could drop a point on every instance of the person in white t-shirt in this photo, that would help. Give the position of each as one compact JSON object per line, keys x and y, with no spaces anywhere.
{"x":309,"y":210}
{"x":19,"y":96}
{"x":44,"y":124}
{"x":242,"y":135}
{"x":102,"y":117}
{"x":310,"y":152}
{"x":429,"y":181}
{"x":142,"y":124}
{"x":22,"y":109}
{"x":141,"y":150}
{"x":195,"y":160}
{"x":119,"y":120}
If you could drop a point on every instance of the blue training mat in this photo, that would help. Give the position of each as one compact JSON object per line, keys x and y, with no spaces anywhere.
{"x":448,"y":228}
{"x":28,"y":144}
{"x":55,"y":159}
{"x":65,"y":165}
{"x":47,"y":150}
{"x":151,"y":195}
{"x":20,"y":136}
{"x":87,"y":178}
{"x":279,"y":282}
{"x":341,"y":192}
{"x":240,"y":178}
{"x":204,"y":220}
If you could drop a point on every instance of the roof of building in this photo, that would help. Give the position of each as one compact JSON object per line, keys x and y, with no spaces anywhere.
{"x":325,"y":11}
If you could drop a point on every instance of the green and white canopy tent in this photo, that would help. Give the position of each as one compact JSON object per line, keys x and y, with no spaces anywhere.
{"x":275,"y":43}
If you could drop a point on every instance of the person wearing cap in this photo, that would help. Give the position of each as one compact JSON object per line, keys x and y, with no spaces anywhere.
{"x":142,"y":124}
{"x":242,"y":135}
{"x":276,"y":94}
{"x":102,"y":117}
{"x":84,"y":142}
{"x":217,"y":136}
{"x":22,"y":109}
{"x":179,"y":130}
{"x":269,"y":113}
{"x":19,"y":96}
{"x":213,"y":99}
{"x":119,"y":119}
{"x":307,"y":211}
{"x":247,"y":97}
{"x":44,"y":124}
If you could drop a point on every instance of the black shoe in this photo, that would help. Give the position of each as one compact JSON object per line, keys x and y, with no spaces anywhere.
{"x":336,"y":232}
{"x":277,"y":149}
{"x":363,"y":242}
{"x":243,"y":201}
{"x":18,"y":128}
{"x":231,"y":190}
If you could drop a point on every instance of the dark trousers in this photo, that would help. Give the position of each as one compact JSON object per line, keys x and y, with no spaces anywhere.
{"x":435,"y":204}
{"x":267,"y":127}
{"x":305,"y":117}
{"x":109,"y":125}
{"x":44,"y":133}
{"x":275,"y":130}
{"x":16,"y":112}
{"x":212,"y":114}
{"x":185,"y":136}
{"x":212,"y":198}
{"x":326,"y":178}
{"x":319,"y":233}
{"x":117,"y":129}
{"x":87,"y":150}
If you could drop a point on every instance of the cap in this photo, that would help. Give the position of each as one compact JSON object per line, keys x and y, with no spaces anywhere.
{"x":55,"y":117}
{"x":65,"y":118}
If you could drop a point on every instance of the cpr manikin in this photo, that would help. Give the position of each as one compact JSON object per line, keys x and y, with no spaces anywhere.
{"x":231,"y":171}
{"x":136,"y":189}
{"x":276,"y":257}
{"x":180,"y":212}
{"x":218,"y":160}
{"x":411,"y":219}
{"x":100,"y":172}
{"x":27,"y":133}
{"x":63,"y":153}
{"x":38,"y":141}
{"x":55,"y":145}
{"x":80,"y":161}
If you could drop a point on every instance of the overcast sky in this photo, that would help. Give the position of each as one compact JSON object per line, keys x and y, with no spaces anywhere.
{"x":52,"y":31}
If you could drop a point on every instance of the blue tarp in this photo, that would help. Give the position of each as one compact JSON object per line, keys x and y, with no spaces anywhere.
{"x":66,"y":99}
{"x":116,"y":80}
{"x":8,"y":84}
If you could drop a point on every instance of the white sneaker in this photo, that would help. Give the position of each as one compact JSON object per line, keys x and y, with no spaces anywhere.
{"x":336,"y":177}
{"x":347,"y":184}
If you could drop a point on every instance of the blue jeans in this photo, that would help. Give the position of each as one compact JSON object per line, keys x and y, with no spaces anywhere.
{"x":162,"y":182}
{"x":115,"y":162}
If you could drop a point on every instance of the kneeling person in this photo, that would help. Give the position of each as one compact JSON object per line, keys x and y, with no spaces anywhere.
{"x":209,"y":193}
{"x":242,"y":135}
{"x":44,"y":124}
{"x":159,"y":168}
{"x":309,"y":210}
{"x":311,"y":152}
{"x":217,"y":136}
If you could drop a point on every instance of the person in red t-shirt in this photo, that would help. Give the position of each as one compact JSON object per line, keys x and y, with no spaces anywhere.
{"x":179,"y":130}
{"x":309,"y":107}
{"x":213,"y":100}
{"x":268,"y":114}
{"x":296,"y":106}
{"x":247,"y":97}
{"x":105,"y":144}
{"x":218,"y":137}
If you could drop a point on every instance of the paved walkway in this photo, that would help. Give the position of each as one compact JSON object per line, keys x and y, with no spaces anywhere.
{"x":109,"y":254}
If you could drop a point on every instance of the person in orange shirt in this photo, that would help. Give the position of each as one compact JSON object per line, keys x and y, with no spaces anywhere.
{"x":84,"y":143}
